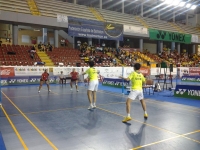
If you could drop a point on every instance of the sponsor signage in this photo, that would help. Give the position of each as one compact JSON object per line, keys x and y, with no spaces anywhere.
{"x":62,"y":18}
{"x":169,"y":36}
{"x":187,"y":91}
{"x":195,"y":38}
{"x":25,"y":80}
{"x":194,"y":71}
{"x":190,"y":79}
{"x":133,"y":30}
{"x":7,"y":72}
{"x":94,"y":29}
{"x":114,"y":82}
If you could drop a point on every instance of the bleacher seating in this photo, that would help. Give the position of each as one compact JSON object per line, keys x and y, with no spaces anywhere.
{"x":69,"y":57}
{"x":15,"y":6}
{"x":21,"y":57}
{"x":51,"y":8}
{"x":159,"y":24}
{"x":117,"y":17}
{"x":189,"y":29}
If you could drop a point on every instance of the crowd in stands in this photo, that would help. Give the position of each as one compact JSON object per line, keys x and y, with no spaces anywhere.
{"x":108,"y":56}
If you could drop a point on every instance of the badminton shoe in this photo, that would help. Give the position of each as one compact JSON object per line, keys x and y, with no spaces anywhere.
{"x":90,"y":107}
{"x":94,"y":106}
{"x":145,"y":115}
{"x":126,"y":119}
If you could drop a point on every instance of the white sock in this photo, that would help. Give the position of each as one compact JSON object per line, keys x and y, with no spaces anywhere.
{"x":91,"y":104}
{"x":94,"y":103}
{"x":145,"y":112}
{"x":129,"y":115}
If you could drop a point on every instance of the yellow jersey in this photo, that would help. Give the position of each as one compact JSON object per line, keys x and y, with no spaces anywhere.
{"x":137,"y":79}
{"x":92,"y":74}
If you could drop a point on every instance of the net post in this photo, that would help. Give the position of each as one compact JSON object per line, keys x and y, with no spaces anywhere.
{"x":122,"y":80}
{"x":0,"y":88}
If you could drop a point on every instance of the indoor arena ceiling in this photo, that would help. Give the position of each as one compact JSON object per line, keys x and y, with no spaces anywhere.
{"x":150,"y":7}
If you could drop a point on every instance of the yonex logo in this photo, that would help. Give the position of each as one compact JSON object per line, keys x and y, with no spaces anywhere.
{"x":161,"y":34}
{"x":181,"y":91}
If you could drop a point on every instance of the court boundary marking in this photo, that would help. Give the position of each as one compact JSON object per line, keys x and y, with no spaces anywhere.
{"x":158,"y":102}
{"x":168,"y":139}
{"x":68,"y":108}
{"x":178,"y":135}
{"x":158,"y":128}
{"x":15,"y":129}
{"x":34,"y":126}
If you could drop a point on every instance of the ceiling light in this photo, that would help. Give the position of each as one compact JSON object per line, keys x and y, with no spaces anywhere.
{"x":182,"y":4}
{"x":188,"y":5}
{"x":168,"y":1}
{"x":194,"y":7}
{"x":175,"y":2}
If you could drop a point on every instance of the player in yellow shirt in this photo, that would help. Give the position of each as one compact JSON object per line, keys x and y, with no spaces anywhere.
{"x":93,"y":84}
{"x":137,"y":81}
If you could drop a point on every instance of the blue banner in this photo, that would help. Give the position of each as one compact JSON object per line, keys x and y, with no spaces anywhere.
{"x":190,"y":79}
{"x":94,"y":29}
{"x":114,"y":82}
{"x":187,"y":91}
{"x":25,"y":80}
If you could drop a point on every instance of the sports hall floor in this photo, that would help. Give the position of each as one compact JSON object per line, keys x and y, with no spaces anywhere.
{"x":60,"y":120}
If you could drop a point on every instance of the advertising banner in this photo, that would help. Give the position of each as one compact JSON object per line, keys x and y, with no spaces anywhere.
{"x":29,"y":71}
{"x":194,"y":71}
{"x":62,"y":18}
{"x":25,"y":80}
{"x":195,"y":38}
{"x":187,"y":91}
{"x":133,"y":30}
{"x":104,"y":72}
{"x":190,"y":79}
{"x":169,"y":36}
{"x":158,"y":71}
{"x":94,"y":29}
{"x":18,"y":80}
{"x":7,"y":72}
{"x":114,"y":82}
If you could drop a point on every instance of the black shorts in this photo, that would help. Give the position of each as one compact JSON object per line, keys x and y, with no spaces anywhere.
{"x":43,"y":80}
{"x":73,"y":80}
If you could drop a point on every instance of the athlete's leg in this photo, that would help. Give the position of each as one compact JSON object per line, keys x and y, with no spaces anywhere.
{"x":144,"y":108}
{"x":41,"y":83}
{"x":95,"y":94}
{"x":47,"y":82}
{"x":71,"y":84}
{"x":141,"y":98}
{"x":76,"y":83}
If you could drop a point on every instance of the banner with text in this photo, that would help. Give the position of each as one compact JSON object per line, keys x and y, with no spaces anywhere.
{"x":114,"y":82}
{"x":187,"y":91}
{"x":24,"y":80}
{"x":94,"y":29}
{"x":133,"y":30}
{"x":190,"y":79}
{"x":169,"y":36}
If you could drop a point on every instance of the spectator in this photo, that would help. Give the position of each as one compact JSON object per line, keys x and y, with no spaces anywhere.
{"x":49,"y":47}
{"x":79,"y":45}
{"x":62,"y":42}
{"x":66,"y":43}
{"x":0,"y":42}
{"x":40,"y":46}
{"x":61,"y":77}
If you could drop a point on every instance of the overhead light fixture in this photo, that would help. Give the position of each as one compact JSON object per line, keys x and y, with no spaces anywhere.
{"x":175,"y":2}
{"x":168,"y":1}
{"x":188,"y":5}
{"x":181,"y":4}
{"x":194,"y":7}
